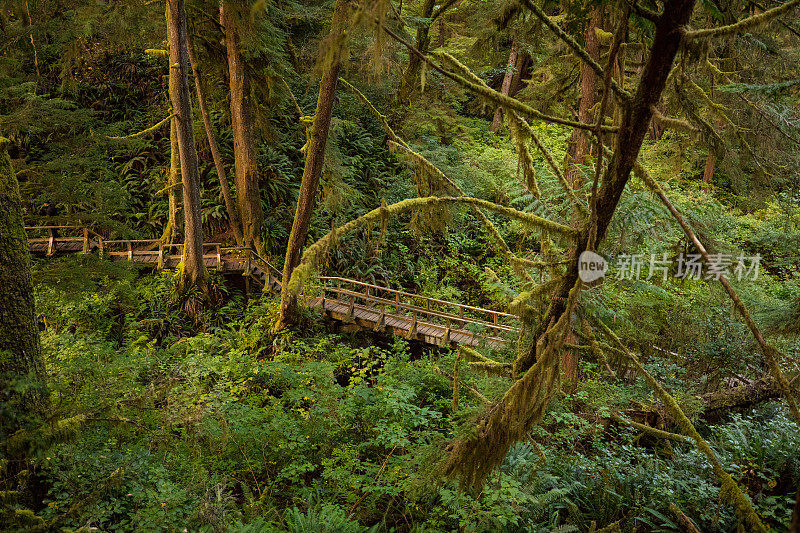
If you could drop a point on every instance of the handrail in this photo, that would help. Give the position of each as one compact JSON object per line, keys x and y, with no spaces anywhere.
{"x":421,"y":296}
{"x":420,"y":310}
{"x":82,"y":228}
{"x":431,"y":324}
{"x":372,"y":301}
{"x":270,"y":265}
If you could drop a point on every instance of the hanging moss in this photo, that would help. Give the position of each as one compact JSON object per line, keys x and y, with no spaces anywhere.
{"x":746,"y":24}
{"x":396,"y":143}
{"x":581,"y":52}
{"x":507,"y":422}
{"x":314,"y":253}
{"x":771,"y":355}
{"x":595,"y":348}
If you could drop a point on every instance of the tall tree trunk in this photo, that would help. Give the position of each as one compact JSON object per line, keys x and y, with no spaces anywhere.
{"x":247,"y":188}
{"x":512,"y":63}
{"x":708,"y":171}
{"x":579,"y":150}
{"x":193,"y":272}
{"x":20,"y":353}
{"x":173,"y":180}
{"x":315,"y":157}
{"x":230,"y":206}
{"x":412,"y":75}
{"x":634,"y":126}
{"x":580,"y":144}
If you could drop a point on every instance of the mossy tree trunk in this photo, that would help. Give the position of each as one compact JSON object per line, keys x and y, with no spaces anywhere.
{"x":173,"y":182}
{"x":247,"y":189}
{"x":506,"y":87}
{"x":23,"y":393}
{"x":315,"y":158}
{"x":411,"y":79}
{"x":193,"y":272}
{"x":230,"y":205}
{"x":635,"y":123}
{"x":579,"y":152}
{"x":580,"y":143}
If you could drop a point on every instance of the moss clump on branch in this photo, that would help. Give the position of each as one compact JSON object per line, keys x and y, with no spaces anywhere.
{"x":316,"y":251}
{"x":473,"y":458}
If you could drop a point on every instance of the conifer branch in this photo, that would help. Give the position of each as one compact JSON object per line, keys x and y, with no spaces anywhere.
{"x":581,"y":52}
{"x":743,"y":25}
{"x":396,"y":142}
{"x":495,"y":97}
{"x":151,"y":129}
{"x":526,"y":130}
{"x":730,"y":490}
{"x":770,"y":354}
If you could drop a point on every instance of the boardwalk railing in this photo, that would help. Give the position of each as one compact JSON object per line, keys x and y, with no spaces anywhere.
{"x":420,"y":316}
{"x":50,"y":239}
{"x":414,"y":316}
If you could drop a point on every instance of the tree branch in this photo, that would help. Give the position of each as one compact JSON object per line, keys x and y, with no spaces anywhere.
{"x":743,"y":25}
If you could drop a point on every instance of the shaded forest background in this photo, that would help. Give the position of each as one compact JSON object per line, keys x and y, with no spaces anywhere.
{"x":172,"y":409}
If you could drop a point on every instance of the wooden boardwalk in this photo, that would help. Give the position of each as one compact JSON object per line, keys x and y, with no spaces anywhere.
{"x":412,"y":316}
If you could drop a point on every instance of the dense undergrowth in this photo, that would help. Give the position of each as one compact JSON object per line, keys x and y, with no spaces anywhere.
{"x":210,"y":423}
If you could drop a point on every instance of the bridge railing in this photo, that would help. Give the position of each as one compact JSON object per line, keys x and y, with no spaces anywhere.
{"x":71,"y":238}
{"x":446,"y":315}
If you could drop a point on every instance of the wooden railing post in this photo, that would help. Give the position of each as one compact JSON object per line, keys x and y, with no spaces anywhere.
{"x":100,"y":246}
{"x":51,"y":244}
{"x":381,"y":325}
{"x":219,"y":259}
{"x":447,"y":334}
{"x":85,"y":241}
{"x":130,"y":251}
{"x":351,"y":309}
{"x":412,"y":330}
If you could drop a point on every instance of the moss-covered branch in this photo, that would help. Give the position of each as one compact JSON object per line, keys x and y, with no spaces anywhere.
{"x":771,"y":354}
{"x":314,"y":253}
{"x":746,"y":24}
{"x":508,"y":421}
{"x":581,"y":52}
{"x":653,"y":432}
{"x":395,"y":142}
{"x":144,"y":132}
{"x":496,"y":97}
{"x":730,"y":490}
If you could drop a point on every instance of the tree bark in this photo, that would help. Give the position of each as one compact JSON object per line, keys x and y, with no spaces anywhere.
{"x":708,"y":171}
{"x":580,"y":144}
{"x":506,"y":87}
{"x":315,"y":157}
{"x":247,"y":187}
{"x":20,"y":351}
{"x":230,"y":206}
{"x":579,"y":151}
{"x":411,"y":78}
{"x":634,"y":126}
{"x":173,"y":181}
{"x":193,"y":272}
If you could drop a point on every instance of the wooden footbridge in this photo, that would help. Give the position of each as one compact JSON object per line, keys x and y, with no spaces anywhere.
{"x":364,"y":305}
